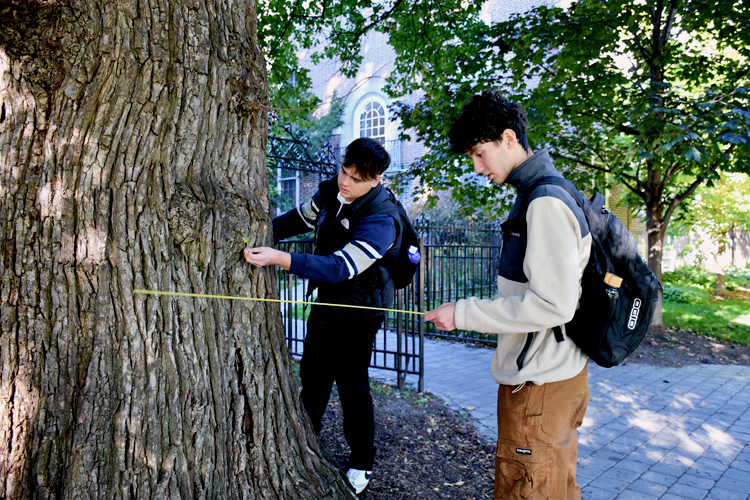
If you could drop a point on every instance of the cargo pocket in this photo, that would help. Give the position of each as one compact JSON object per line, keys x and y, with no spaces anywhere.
{"x":522,"y":471}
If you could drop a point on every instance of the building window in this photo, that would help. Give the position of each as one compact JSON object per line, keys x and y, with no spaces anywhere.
{"x":289,"y":185}
{"x":370,"y":119}
{"x":372,"y":122}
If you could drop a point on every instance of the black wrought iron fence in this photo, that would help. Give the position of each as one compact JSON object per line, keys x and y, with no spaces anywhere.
{"x":461,"y":261}
{"x":458,"y":261}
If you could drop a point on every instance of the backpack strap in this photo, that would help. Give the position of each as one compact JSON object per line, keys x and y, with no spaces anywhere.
{"x":597,"y":201}
{"x":524,"y":351}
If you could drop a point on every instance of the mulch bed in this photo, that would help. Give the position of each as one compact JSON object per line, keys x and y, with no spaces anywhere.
{"x":426,"y":450}
{"x":678,"y":347}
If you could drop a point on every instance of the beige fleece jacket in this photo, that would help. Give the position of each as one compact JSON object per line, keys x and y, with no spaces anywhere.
{"x":556,"y":255}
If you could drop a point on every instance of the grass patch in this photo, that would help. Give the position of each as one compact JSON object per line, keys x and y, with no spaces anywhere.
{"x":689,"y":303}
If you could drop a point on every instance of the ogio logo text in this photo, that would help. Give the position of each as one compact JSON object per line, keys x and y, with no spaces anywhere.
{"x":634,"y":312}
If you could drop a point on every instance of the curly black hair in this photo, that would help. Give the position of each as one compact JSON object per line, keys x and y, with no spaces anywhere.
{"x":484,"y":118}
{"x":368,"y":157}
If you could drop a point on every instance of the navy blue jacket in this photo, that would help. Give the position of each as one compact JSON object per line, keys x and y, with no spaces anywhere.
{"x":346,"y":263}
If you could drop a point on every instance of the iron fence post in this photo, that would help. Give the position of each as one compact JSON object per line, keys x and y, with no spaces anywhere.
{"x":420,"y":307}
{"x":400,"y":373}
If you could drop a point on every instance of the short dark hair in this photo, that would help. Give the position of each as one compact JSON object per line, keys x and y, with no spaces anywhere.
{"x":484,"y":118}
{"x":368,"y":157}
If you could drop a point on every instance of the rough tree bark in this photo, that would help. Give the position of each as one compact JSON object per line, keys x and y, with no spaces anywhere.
{"x":132,"y":156}
{"x":655,"y":230}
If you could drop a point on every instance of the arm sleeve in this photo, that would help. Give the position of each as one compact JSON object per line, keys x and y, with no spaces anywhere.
{"x":297,"y":221}
{"x":553,"y":266}
{"x":371,"y":239}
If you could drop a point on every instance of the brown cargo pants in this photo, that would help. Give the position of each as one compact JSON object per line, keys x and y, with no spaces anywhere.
{"x":537,"y":446}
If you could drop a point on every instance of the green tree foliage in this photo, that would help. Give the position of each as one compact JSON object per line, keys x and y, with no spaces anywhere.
{"x":720,"y":210}
{"x":717,"y":209}
{"x":651,"y":94}
{"x":335,"y":30}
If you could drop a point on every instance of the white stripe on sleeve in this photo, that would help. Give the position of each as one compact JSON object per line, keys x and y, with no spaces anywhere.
{"x":341,"y":254}
{"x":368,"y":248}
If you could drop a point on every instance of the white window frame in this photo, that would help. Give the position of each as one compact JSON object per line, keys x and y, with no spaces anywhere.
{"x":362,"y":109}
{"x":392,"y":146}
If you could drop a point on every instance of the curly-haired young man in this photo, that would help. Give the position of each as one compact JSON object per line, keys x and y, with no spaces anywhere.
{"x":543,"y":393}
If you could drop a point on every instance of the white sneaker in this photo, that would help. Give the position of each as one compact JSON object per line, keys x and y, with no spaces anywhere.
{"x":358,"y":479}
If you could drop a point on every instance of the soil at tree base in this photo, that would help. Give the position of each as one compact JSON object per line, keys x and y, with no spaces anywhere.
{"x":425,"y":450}
{"x":428,"y":451}
{"x":677,"y":347}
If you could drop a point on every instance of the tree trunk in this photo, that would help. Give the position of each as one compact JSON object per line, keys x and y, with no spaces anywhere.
{"x":133,"y":158}
{"x":720,"y":283}
{"x":720,"y":277}
{"x":655,"y":230}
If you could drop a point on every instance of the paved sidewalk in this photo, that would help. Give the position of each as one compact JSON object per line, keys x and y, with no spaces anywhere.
{"x":650,"y":432}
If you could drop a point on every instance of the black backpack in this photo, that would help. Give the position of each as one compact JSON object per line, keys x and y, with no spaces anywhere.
{"x":403,"y":263}
{"x":619,"y":291}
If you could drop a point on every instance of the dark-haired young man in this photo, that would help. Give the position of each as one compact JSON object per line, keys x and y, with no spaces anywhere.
{"x":354,"y":232}
{"x":543,"y":393}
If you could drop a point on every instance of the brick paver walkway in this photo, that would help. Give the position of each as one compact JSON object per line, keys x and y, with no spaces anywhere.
{"x":650,"y":432}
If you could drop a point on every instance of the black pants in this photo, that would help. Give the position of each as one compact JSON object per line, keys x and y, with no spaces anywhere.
{"x":338,"y":347}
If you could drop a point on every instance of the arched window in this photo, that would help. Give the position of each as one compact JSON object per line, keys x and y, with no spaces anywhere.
{"x":372,"y":122}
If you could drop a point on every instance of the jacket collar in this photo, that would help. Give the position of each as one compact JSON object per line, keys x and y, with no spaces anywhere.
{"x":330,"y":187}
{"x":537,"y":165}
{"x":367,"y":198}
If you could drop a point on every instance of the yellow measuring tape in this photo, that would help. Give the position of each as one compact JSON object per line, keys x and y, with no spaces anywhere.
{"x":255,"y":299}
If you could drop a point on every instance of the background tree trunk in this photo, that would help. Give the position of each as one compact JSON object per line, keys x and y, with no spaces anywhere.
{"x":133,"y":156}
{"x":655,"y":230}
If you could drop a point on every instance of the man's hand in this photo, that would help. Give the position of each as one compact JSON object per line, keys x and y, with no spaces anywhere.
{"x":443,"y":316}
{"x":264,"y":256}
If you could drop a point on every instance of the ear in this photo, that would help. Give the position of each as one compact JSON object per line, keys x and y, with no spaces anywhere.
{"x":509,"y":136}
{"x":376,"y":181}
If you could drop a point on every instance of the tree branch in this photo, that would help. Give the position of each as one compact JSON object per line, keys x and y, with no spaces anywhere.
{"x":693,"y":186}
{"x":286,"y":28}
{"x":635,"y":186}
{"x":641,"y":48}
{"x":682,"y":196}
{"x":671,"y":170}
{"x":634,"y":189}
{"x":610,"y":121}
{"x":361,"y":32}
{"x":668,"y":26}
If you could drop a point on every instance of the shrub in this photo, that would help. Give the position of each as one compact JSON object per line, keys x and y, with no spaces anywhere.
{"x":683,"y":294}
{"x":738,"y":277}
{"x":689,"y":276}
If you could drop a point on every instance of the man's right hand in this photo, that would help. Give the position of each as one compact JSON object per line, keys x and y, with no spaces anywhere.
{"x":443,"y":317}
{"x":265,"y":256}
